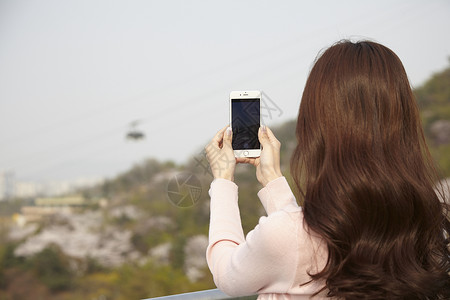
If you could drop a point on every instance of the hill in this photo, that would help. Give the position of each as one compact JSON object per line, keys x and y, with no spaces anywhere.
{"x":433,"y":98}
{"x":148,"y":235}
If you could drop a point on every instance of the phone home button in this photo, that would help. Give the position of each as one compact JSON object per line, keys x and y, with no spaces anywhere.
{"x":245,"y":153}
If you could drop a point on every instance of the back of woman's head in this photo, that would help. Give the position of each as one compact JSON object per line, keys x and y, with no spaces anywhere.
{"x":366,"y":178}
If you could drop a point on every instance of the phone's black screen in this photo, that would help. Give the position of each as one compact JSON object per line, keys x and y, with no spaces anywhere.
{"x":245,"y":114}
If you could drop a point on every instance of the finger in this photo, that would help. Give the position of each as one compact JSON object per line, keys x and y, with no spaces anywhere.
{"x":247,"y":160}
{"x":219,"y":133}
{"x":271,"y":136}
{"x":262,"y":136}
{"x":228,"y":136}
{"x":217,"y":139}
{"x":268,"y":137}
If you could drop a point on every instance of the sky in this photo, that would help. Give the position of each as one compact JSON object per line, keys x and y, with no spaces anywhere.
{"x":75,"y":74}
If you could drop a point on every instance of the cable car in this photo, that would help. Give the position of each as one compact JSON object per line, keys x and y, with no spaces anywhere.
{"x":133,"y":133}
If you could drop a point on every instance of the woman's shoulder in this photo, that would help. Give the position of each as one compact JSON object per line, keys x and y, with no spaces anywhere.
{"x":287,"y":242}
{"x":285,"y":230}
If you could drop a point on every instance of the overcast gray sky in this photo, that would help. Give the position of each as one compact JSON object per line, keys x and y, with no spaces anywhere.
{"x":74,"y":74}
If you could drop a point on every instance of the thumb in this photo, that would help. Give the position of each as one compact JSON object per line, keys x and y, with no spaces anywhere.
{"x":262,"y":135}
{"x":228,"y":136}
{"x":271,"y":137}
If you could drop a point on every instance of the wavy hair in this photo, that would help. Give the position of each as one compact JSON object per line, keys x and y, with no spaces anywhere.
{"x":367,"y":179}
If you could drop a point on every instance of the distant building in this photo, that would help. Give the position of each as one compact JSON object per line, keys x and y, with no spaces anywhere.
{"x":52,"y":205}
{"x":75,"y":200}
{"x":36,"y":213}
{"x":6,"y":185}
{"x":32,"y":189}
{"x":25,"y":189}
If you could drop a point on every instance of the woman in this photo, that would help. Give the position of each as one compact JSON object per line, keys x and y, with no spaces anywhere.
{"x":371,"y":225}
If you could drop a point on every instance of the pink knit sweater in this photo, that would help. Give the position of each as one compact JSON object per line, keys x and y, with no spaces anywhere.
{"x":274,"y":258}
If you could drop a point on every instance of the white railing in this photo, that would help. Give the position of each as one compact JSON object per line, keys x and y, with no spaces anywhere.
{"x":214,"y":294}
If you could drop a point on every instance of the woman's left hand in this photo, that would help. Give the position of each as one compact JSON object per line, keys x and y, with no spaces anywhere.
{"x":220,"y":155}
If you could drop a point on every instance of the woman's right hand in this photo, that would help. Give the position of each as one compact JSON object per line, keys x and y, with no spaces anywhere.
{"x":268,"y":164}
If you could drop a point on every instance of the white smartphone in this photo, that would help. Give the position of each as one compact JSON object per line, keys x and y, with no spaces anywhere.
{"x":245,"y":120}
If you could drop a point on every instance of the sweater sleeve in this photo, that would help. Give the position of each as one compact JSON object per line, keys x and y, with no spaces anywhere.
{"x":276,"y":195}
{"x":263,"y":261}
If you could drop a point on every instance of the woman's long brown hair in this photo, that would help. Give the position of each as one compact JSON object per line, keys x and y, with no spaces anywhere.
{"x":367,"y":179}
